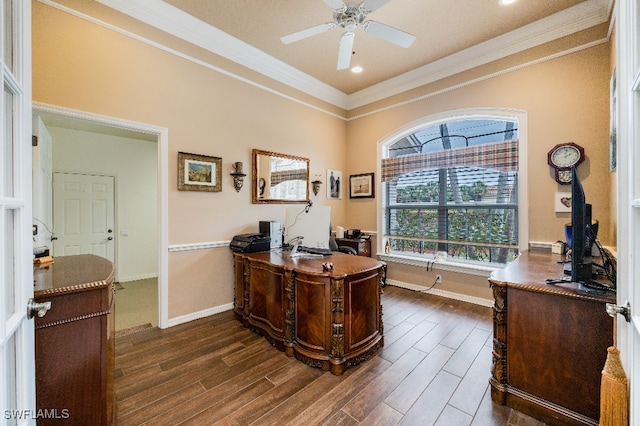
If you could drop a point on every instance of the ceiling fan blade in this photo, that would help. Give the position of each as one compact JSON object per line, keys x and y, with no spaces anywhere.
{"x":346,"y":50}
{"x":390,"y":34}
{"x":335,"y":4}
{"x":371,"y":5}
{"x":317,"y":29}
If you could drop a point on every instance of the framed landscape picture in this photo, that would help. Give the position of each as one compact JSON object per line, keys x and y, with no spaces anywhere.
{"x":361,"y":186}
{"x":199,"y":172}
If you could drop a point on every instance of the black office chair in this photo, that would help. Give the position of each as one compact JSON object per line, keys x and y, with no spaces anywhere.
{"x":333,"y":245}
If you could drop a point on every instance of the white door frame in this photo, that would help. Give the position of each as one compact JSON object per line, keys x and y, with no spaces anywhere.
{"x":628,"y":175}
{"x":17,"y":348}
{"x":162,"y":133}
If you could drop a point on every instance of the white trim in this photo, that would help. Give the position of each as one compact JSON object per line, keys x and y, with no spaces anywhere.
{"x":540,"y":245}
{"x":481,"y":79}
{"x":184,"y":26}
{"x":200,"y":314}
{"x":627,"y":178}
{"x":180,"y":24}
{"x":438,"y":264}
{"x":162,"y":135}
{"x":137,"y":278}
{"x":198,"y":246}
{"x":169,"y":50}
{"x":443,"y":293}
{"x":561,"y":24}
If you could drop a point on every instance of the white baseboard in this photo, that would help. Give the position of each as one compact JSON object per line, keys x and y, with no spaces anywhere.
{"x":200,"y":314}
{"x":137,"y":278}
{"x":437,"y":292}
{"x":229,"y":306}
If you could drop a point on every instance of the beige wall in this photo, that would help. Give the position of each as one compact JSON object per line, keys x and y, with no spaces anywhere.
{"x":566,"y":99}
{"x":81,"y":65}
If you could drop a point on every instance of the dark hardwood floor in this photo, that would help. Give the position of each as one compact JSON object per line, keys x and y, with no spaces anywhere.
{"x":433,"y":369}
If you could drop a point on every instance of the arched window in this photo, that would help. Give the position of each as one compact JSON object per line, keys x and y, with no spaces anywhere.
{"x":450,"y":189}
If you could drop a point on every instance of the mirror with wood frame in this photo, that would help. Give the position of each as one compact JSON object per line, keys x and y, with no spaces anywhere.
{"x":279,"y":178}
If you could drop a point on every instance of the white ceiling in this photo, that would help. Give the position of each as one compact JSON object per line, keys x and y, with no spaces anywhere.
{"x":452,"y":36}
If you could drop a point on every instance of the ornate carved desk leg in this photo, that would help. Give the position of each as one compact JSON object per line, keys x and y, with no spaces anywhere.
{"x":498,"y":378}
{"x":290,"y":317}
{"x":337,"y":326}
{"x":383,"y":283}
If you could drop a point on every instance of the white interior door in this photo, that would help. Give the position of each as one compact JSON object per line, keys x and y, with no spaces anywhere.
{"x":17,"y":367}
{"x":83,"y":215}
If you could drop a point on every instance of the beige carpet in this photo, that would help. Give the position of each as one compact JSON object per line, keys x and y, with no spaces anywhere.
{"x":136,"y":305}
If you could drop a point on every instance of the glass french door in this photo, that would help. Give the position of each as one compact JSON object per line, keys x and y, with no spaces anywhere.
{"x":17,"y":386}
{"x":628,"y":75}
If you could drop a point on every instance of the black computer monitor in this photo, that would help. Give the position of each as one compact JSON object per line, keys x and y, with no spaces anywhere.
{"x":581,"y":268}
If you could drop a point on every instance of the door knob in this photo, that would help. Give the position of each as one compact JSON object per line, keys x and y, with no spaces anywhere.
{"x":39,"y":309}
{"x":109,"y":230}
{"x":109,"y":238}
{"x":625,"y":310}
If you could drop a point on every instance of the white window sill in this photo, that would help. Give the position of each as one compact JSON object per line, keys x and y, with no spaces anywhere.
{"x":440,"y":264}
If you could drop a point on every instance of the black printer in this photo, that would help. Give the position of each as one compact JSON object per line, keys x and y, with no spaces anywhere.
{"x":249,"y":243}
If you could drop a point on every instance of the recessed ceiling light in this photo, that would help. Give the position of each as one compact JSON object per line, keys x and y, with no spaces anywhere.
{"x":357,"y":69}
{"x":506,"y":2}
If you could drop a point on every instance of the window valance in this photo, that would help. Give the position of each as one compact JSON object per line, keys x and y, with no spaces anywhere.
{"x":500,"y":155}
{"x":283,"y":176}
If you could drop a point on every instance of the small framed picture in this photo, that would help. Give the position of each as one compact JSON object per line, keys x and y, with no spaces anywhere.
{"x":199,"y":172}
{"x":361,"y":186}
{"x":563,"y":202}
{"x":334,"y":187}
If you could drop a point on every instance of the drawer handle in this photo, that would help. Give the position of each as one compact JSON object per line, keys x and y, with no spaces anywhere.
{"x":39,"y":309}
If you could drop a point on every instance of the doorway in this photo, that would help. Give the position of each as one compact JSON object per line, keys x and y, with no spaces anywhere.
{"x":108,"y":139}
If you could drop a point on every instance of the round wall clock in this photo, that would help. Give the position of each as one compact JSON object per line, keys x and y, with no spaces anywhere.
{"x":562,"y":158}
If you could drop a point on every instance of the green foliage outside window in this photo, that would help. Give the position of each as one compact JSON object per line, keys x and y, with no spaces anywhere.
{"x":476,"y":227}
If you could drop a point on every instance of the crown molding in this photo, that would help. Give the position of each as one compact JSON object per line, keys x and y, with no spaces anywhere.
{"x":184,"y":26}
{"x":577,"y":18}
{"x":174,"y":21}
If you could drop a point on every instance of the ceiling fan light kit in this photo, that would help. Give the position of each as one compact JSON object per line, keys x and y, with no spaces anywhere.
{"x":349,"y":16}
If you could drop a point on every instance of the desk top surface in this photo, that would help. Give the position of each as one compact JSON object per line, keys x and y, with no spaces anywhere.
{"x":343,"y":264}
{"x":69,"y":274}
{"x":530,"y":270}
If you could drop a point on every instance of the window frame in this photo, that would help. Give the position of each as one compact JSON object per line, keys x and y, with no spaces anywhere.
{"x":523,"y":204}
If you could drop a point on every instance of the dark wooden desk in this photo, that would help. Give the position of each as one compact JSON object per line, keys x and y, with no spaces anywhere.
{"x":549,"y":342}
{"x":74,"y":341}
{"x":327,"y":319}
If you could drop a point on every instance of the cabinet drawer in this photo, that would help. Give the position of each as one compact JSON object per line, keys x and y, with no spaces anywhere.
{"x":74,"y":306}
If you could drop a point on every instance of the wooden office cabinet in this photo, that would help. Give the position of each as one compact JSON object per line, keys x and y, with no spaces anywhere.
{"x":360,"y":245}
{"x":549,"y":342}
{"x":74,"y":342}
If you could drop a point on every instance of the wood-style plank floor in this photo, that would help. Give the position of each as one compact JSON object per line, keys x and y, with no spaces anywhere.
{"x":433,"y":370}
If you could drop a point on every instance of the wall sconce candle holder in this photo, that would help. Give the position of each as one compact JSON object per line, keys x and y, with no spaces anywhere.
{"x":315,"y":185}
{"x":238,"y":175}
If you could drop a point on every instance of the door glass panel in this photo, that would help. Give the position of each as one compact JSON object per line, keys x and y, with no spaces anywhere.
{"x":9,"y":263}
{"x":8,"y":34}
{"x":10,"y":374}
{"x":8,"y":145}
{"x":17,"y":381}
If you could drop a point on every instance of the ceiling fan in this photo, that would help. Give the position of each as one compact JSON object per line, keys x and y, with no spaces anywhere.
{"x":348,"y":16}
